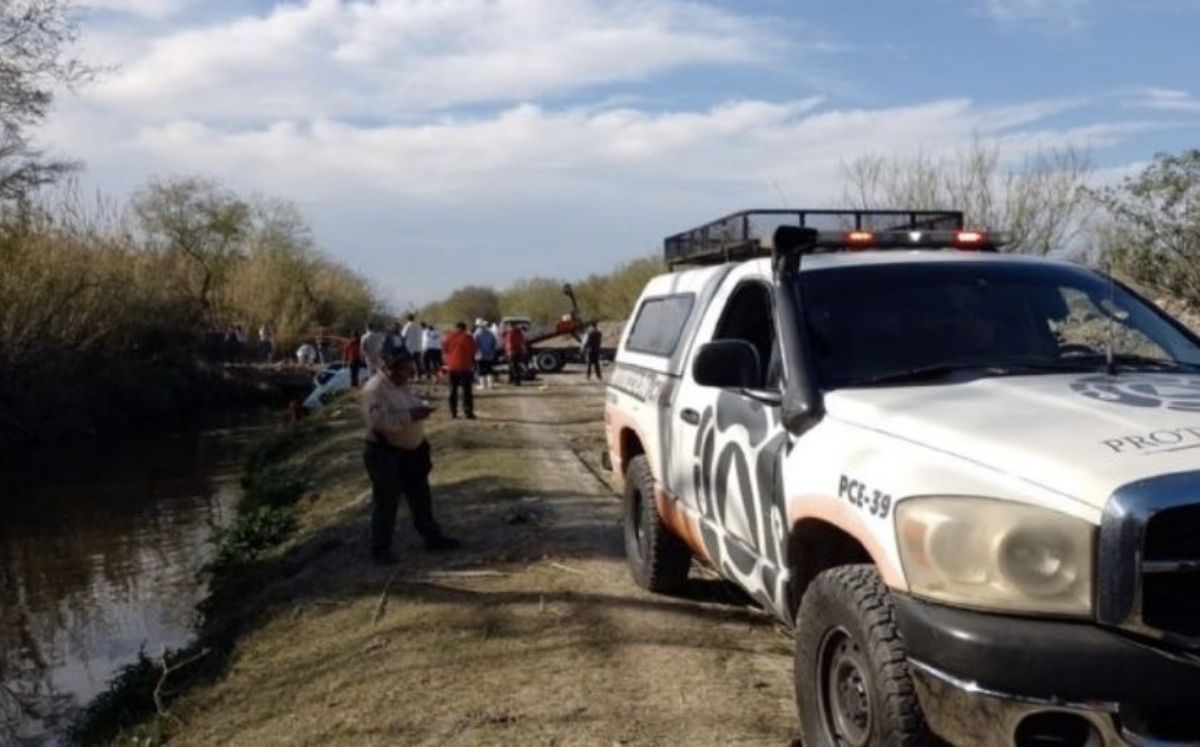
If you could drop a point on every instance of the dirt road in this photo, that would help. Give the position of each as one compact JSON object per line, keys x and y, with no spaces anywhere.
{"x":532,"y":634}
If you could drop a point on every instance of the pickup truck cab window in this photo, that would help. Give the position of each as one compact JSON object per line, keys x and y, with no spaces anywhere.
{"x":659,"y":324}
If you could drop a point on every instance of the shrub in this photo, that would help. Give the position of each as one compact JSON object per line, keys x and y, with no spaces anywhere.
{"x":252,"y":533}
{"x":274,"y":487}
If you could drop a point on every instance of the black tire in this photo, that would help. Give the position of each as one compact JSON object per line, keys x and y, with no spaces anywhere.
{"x":658,"y":560}
{"x":548,"y":362}
{"x":853,"y":688}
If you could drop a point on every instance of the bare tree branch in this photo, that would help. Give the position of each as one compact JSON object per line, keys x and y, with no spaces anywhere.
{"x":1039,"y":202}
{"x":36,"y":40}
{"x":159,"y":704}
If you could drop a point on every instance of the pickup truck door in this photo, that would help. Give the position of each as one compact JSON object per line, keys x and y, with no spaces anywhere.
{"x":727,"y":445}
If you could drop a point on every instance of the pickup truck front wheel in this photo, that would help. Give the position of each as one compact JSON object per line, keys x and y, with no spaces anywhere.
{"x":658,"y":560}
{"x":853,"y":688}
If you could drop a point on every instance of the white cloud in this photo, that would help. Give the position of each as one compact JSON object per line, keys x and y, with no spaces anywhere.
{"x":1047,"y":12}
{"x":527,"y":152}
{"x":1167,"y":99}
{"x":145,"y":8}
{"x":326,"y":58}
{"x":431,"y":205}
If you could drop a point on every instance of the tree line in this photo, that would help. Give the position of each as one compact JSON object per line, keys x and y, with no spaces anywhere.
{"x":601,"y":296}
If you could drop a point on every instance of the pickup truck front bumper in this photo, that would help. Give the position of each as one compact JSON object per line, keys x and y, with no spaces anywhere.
{"x":988,"y":679}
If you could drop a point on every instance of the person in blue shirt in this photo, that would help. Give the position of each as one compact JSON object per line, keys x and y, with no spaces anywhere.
{"x":486,"y":346}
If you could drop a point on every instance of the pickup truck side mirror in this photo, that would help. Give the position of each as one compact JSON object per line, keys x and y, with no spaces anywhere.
{"x":727,"y":364}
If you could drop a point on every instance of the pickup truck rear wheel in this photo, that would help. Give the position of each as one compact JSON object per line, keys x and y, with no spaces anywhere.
{"x":853,"y":688}
{"x":658,"y":560}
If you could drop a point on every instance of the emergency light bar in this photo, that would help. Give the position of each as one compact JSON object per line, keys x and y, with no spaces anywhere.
{"x":849,"y":241}
{"x":750,"y":233}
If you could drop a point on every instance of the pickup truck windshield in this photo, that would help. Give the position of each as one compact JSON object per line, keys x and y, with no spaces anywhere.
{"x":874,"y":325}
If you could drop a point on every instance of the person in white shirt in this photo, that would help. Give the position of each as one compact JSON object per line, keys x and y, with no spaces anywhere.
{"x":433,"y":352}
{"x":397,"y":456}
{"x":413,"y":335}
{"x":266,"y":342}
{"x":371,"y":347}
{"x":306,"y":354}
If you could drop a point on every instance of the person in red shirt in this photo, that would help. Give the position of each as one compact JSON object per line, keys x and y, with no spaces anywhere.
{"x":458,"y":355}
{"x":514,"y":349}
{"x":352,"y":356}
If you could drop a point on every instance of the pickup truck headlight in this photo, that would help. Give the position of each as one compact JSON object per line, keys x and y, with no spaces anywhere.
{"x":999,"y":555}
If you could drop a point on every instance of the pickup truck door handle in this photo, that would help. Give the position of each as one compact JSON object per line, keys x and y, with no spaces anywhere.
{"x":689,"y":416}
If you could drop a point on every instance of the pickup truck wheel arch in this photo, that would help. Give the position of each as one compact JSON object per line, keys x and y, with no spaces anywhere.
{"x":813,"y":547}
{"x":631,"y":446}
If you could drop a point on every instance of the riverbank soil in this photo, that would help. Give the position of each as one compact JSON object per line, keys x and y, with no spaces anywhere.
{"x":532,"y":633}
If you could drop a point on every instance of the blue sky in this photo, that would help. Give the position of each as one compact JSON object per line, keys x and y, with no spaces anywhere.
{"x":434,"y":144}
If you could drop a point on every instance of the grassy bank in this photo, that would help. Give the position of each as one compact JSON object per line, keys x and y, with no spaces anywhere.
{"x":531,"y":634}
{"x":303,"y":508}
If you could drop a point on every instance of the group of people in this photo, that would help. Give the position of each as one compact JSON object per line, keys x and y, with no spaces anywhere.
{"x":237,"y":347}
{"x":396,"y":455}
{"x":430,"y":356}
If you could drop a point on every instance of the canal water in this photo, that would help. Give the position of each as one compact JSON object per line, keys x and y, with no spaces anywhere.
{"x":101,"y":551}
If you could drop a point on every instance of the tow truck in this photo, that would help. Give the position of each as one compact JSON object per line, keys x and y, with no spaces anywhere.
{"x":550,"y":358}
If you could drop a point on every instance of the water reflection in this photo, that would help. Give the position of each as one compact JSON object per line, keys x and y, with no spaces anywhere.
{"x":99,"y":553}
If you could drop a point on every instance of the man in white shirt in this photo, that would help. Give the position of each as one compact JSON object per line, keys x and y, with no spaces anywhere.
{"x":413,"y":336}
{"x":433,"y":352}
{"x":413,"y":333}
{"x":397,"y":457}
{"x":371,"y":346}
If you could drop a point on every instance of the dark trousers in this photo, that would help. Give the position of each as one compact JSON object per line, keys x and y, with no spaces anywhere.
{"x":354,"y":367}
{"x":514,"y":368}
{"x":394,"y":471}
{"x":593,"y":363}
{"x":433,"y":363}
{"x":462,"y":380}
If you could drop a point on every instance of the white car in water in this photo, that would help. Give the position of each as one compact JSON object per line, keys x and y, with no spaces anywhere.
{"x":969,"y":482}
{"x":328,"y":382}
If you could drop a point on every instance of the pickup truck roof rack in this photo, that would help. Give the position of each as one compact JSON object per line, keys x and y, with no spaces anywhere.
{"x":748,"y":234}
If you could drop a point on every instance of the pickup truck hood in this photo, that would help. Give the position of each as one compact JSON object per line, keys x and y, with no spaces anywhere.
{"x":1079,"y":434}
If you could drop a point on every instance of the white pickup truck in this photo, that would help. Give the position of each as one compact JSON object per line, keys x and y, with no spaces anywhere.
{"x":969,"y":481}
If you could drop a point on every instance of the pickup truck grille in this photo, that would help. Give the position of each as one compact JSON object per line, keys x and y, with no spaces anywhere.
{"x":1148,"y":563}
{"x":1171,"y":571}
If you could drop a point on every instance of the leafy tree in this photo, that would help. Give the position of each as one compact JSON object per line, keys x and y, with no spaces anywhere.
{"x":470,"y":303}
{"x":35,"y":41}
{"x":199,"y":221}
{"x":611,"y":296}
{"x":1154,"y":234}
{"x":1040,"y":204}
{"x":540,"y":298}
